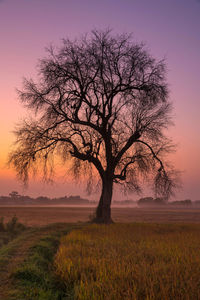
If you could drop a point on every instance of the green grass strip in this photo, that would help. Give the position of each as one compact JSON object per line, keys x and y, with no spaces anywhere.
{"x":8,"y":250}
{"x":35,"y":278}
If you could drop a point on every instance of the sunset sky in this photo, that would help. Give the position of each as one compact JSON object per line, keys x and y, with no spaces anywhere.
{"x":170,"y":30}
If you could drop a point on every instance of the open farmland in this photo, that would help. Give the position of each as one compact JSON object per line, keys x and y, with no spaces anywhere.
{"x":147,"y":254}
{"x":39,"y":216}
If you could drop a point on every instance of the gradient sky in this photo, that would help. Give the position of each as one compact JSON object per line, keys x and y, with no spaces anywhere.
{"x":170,"y":29}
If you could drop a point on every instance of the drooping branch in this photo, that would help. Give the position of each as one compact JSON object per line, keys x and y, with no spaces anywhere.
{"x":122,"y":175}
{"x":165,"y":182}
{"x":132,"y":139}
{"x":154,"y":156}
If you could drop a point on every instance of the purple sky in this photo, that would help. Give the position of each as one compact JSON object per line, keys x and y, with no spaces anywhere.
{"x":170,"y":29}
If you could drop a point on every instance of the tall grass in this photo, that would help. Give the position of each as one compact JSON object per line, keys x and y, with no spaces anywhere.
{"x":131,"y":261}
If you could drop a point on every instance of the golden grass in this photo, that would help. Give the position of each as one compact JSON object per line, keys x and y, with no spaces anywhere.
{"x":131,"y":261}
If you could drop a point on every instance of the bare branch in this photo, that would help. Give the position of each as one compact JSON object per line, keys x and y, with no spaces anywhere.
{"x":102,"y":101}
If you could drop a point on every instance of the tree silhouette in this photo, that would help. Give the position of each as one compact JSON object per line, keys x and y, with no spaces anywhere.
{"x":101,"y":101}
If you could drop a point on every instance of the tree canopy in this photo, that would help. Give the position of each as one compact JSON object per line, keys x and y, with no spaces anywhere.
{"x":101,"y":101}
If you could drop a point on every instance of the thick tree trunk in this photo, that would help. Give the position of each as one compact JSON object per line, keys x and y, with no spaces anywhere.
{"x":103,"y":212}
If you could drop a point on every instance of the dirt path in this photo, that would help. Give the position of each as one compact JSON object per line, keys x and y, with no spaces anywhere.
{"x":26,"y":241}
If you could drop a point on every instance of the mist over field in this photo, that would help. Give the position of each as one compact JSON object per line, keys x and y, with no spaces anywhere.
{"x":15,"y":199}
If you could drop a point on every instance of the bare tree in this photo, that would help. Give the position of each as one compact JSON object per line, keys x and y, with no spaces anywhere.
{"x":102,"y":101}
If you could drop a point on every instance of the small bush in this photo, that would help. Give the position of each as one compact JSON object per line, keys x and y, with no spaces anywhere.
{"x":13,"y":226}
{"x":2,"y":225}
{"x":10,"y":230}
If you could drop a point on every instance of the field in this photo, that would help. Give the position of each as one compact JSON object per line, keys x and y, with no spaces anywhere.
{"x":57,"y":255}
{"x":131,"y":261}
{"x":37,"y":216}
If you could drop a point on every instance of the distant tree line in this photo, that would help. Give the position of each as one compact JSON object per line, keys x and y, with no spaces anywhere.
{"x":15,"y":198}
{"x":149,"y":201}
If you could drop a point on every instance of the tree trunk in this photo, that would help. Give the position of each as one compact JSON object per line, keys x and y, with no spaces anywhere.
{"x":103,"y":212}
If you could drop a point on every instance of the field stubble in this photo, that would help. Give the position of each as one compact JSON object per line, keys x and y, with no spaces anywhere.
{"x":131,"y":261}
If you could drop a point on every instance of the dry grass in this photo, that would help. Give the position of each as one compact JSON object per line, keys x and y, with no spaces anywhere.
{"x":131,"y":261}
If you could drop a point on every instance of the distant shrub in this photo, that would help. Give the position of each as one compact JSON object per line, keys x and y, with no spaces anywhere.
{"x":11,"y":225}
{"x":148,"y":201}
{"x":145,"y":201}
{"x":186,"y":202}
{"x":197,"y":202}
{"x":2,"y":226}
{"x":159,"y":201}
{"x":10,"y":230}
{"x":14,"y":225}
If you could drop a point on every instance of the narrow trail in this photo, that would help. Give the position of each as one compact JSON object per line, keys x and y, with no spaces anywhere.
{"x":26,"y":241}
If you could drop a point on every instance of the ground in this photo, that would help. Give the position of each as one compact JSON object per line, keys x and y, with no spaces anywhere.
{"x":42,"y":222}
{"x":37,"y":216}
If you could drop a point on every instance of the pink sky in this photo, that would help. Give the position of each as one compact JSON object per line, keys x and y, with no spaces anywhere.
{"x":170,"y":30}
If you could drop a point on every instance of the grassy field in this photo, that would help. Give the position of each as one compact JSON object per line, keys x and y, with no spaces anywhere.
{"x":154,"y":255}
{"x":131,"y":261}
